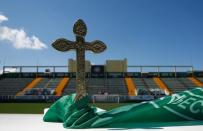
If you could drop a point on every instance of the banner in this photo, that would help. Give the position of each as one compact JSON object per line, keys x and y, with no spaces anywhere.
{"x":185,"y":106}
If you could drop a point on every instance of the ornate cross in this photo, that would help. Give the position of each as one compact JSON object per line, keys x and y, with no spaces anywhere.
{"x":80,"y":30}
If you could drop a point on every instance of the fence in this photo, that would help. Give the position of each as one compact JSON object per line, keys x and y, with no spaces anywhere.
{"x":120,"y":98}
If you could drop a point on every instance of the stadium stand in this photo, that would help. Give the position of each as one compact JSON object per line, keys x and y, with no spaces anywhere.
{"x":96,"y":86}
{"x":132,"y":89}
{"x":100,"y":86}
{"x":116,"y":86}
{"x":187,"y":83}
{"x":70,"y":87}
{"x":147,"y":86}
{"x":174,"y":84}
{"x":60,"y":86}
{"x":142,"y":88}
{"x":104,"y":86}
{"x":42,"y":83}
{"x":200,"y":81}
{"x":153,"y":87}
{"x":29,"y":86}
{"x":162,"y":86}
{"x":48,"y":86}
{"x":11,"y":86}
{"x":53,"y":83}
{"x":196,"y":81}
{"x":43,"y":86}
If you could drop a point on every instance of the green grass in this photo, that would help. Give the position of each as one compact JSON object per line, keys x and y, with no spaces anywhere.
{"x":38,"y":108}
{"x":27,"y":108}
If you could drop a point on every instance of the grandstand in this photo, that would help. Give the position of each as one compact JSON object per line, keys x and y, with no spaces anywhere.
{"x":11,"y":86}
{"x":101,"y":86}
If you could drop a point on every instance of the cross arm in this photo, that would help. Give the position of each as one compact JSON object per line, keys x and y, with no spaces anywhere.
{"x":96,"y":46}
{"x":63,"y":45}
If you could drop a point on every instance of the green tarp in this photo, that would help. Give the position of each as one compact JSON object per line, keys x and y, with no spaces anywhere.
{"x":184,"y":107}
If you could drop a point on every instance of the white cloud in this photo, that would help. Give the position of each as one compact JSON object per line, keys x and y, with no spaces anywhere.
{"x":7,"y":70}
{"x":3,"y":18}
{"x":19,"y":38}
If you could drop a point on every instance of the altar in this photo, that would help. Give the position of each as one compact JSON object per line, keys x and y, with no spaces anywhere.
{"x":34,"y":122}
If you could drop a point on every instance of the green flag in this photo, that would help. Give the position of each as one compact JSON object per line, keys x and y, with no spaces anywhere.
{"x":185,"y":106}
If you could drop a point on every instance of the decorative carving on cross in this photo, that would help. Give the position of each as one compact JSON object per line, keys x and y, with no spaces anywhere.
{"x":80,"y":45}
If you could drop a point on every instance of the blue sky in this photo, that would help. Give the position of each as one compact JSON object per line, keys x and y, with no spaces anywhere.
{"x":146,"y":32}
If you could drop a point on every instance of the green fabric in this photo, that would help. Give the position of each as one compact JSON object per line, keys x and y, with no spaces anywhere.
{"x":185,"y":106}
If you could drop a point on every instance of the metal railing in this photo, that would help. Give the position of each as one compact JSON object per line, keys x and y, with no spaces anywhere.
{"x":55,"y":69}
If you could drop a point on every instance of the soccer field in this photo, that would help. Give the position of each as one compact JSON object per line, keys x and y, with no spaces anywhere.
{"x":38,"y":108}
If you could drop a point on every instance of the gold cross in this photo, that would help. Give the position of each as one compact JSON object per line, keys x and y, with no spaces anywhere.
{"x":80,"y":30}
